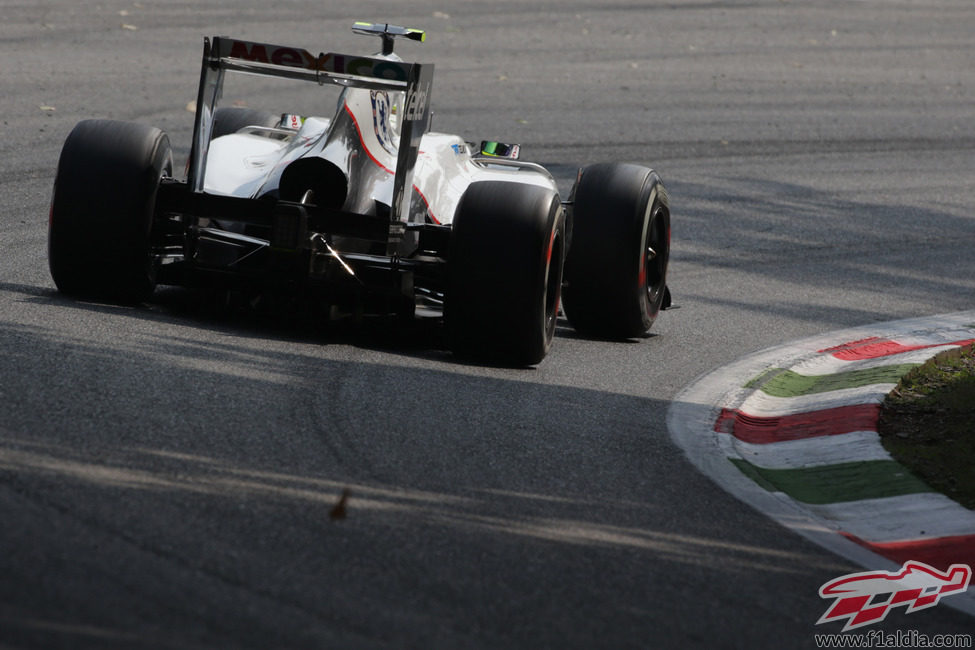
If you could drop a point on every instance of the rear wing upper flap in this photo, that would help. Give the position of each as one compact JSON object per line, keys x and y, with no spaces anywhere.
{"x":297,"y":63}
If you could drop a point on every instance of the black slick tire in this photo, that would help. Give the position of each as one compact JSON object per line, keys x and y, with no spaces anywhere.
{"x":100,"y":229}
{"x":504,"y":273}
{"x":616,"y":267}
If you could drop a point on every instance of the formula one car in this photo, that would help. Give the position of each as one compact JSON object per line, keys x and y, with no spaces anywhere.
{"x":367,"y":210}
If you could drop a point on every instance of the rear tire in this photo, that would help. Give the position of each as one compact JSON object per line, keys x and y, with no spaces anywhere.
{"x":99,"y":235}
{"x":504,"y":273}
{"x":616,"y":269}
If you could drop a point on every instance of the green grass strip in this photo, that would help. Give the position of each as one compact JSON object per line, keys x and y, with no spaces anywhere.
{"x":873,"y":479}
{"x":786,"y":383}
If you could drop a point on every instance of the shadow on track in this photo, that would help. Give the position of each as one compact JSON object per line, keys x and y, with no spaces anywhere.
{"x":292,"y":320}
{"x":471,"y":497}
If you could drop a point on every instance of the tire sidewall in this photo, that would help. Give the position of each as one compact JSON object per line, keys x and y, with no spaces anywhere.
{"x":551,"y":276}
{"x":655,"y":211}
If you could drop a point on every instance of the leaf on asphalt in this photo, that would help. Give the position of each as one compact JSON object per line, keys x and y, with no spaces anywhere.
{"x":339,"y":510}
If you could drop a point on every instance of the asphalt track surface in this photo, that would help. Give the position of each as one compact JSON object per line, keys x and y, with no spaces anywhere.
{"x":167,"y":471}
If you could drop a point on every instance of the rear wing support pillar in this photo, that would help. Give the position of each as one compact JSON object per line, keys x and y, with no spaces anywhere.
{"x":416,"y":122}
{"x":211,"y":88}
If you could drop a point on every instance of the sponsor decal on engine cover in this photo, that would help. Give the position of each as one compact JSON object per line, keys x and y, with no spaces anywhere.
{"x":381,"y":112}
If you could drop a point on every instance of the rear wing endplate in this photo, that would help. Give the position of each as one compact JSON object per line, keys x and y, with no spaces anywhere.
{"x":223,"y":54}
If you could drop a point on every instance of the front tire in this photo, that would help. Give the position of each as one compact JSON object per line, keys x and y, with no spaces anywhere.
{"x":504,"y":268}
{"x":100,"y":230}
{"x":616,"y":269}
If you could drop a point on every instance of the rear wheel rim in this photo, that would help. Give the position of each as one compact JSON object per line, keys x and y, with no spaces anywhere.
{"x":656,"y":250}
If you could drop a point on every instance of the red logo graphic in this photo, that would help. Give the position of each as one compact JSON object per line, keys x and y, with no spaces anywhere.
{"x":865,"y":598}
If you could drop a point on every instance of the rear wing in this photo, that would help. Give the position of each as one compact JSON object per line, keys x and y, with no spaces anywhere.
{"x":223,"y":54}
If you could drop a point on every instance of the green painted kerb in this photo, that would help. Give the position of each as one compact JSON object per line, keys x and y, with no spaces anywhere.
{"x":786,"y":383}
{"x":874,"y":479}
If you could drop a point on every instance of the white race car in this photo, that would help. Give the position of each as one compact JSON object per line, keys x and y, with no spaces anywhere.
{"x":366,"y":209}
